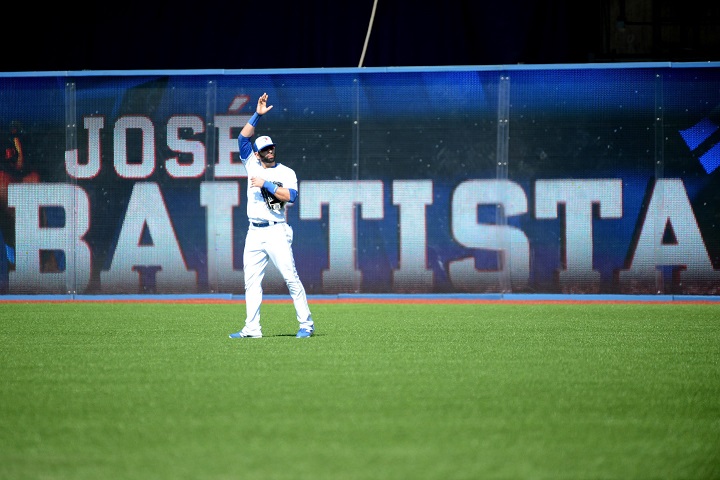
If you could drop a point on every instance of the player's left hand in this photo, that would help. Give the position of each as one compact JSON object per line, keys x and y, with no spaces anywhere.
{"x":262,"y":106}
{"x":257,"y":182}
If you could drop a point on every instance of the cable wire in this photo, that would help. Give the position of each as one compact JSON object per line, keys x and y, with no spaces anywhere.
{"x":367,"y":36}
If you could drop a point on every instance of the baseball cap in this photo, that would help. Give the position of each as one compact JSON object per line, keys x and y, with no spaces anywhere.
{"x":263,"y":142}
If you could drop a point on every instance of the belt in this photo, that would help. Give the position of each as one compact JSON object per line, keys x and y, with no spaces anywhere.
{"x":264,"y":224}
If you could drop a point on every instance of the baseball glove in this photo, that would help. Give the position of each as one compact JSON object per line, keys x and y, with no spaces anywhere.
{"x":271,"y":201}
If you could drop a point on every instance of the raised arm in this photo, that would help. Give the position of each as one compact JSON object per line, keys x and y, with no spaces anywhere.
{"x":262,"y":108}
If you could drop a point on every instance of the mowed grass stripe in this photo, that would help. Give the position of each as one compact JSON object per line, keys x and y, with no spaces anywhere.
{"x":382,"y":391}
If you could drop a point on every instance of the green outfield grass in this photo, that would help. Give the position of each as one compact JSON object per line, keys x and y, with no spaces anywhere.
{"x":382,"y":391}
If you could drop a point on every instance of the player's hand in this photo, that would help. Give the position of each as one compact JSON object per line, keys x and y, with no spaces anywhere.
{"x":257,"y":182}
{"x":262,"y":106}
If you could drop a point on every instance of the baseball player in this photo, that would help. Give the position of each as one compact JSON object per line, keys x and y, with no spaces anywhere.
{"x":271,"y":186}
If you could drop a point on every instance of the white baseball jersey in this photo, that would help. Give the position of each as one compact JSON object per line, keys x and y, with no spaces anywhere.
{"x":262,"y":206}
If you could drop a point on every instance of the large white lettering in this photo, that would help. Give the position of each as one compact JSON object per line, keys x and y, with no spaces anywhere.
{"x":668,"y":237}
{"x":123,"y":165}
{"x":194,"y":148}
{"x":219,"y":198}
{"x":146,"y":208}
{"x":227,"y":145}
{"x":411,"y":197}
{"x":28,"y":201}
{"x":669,"y":207}
{"x":509,"y":242}
{"x":129,"y":165}
{"x":73,"y":167}
{"x":578,"y":196}
{"x":342,"y":197}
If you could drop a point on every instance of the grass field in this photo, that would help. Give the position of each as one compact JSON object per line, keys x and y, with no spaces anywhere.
{"x":94,"y":390}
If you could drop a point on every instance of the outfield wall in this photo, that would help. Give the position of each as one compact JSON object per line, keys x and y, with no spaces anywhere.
{"x":593,"y":179}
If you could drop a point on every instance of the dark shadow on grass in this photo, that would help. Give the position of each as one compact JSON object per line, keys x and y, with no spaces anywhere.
{"x":291,"y":335}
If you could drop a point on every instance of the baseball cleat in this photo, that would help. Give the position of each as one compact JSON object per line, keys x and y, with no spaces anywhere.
{"x":305,"y":332}
{"x":241,"y":334}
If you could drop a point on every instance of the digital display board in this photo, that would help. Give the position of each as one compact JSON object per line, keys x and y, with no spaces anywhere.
{"x":565,"y":179}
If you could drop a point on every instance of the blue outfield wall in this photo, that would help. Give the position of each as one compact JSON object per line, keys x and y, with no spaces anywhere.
{"x":497,"y":181}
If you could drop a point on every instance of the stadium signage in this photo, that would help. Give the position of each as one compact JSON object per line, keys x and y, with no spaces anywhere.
{"x":589,"y":180}
{"x":147,"y":209}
